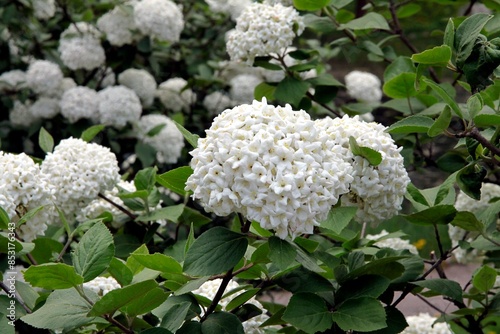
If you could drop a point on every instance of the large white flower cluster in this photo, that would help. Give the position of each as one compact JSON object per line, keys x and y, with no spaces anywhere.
{"x":423,"y":323}
{"x":24,"y":187}
{"x":44,"y":77}
{"x":242,"y":88}
{"x":141,"y":82}
{"x":377,"y":191}
{"x":173,"y":95}
{"x":262,"y":30}
{"x":159,"y":19}
{"x":231,"y":7}
{"x":271,"y":164}
{"x":102,"y":285}
{"x":80,"y":171}
{"x":251,"y":326}
{"x":44,"y":9}
{"x":20,"y":114}
{"x":393,"y":243}
{"x":80,"y":47}
{"x":363,"y":86}
{"x":216,"y":102}
{"x":118,"y":25}
{"x":45,"y":107}
{"x":168,"y":142}
{"x":79,"y":102}
{"x":12,"y":80}
{"x":119,"y":105}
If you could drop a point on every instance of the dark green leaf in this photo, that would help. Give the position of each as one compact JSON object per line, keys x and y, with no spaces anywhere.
{"x":310,"y":5}
{"x":387,"y":267}
{"x":190,"y":137}
{"x":443,"y":287}
{"x":175,"y":316}
{"x":400,"y":86}
{"x":303,"y":280}
{"x":371,"y":20}
{"x":360,"y":314}
{"x":159,"y":262}
{"x":396,"y":322}
{"x":241,"y":299}
{"x":339,"y":218}
{"x":291,"y":90}
{"x":52,"y":276}
{"x":91,"y":132}
{"x":466,"y":35}
{"x":441,"y":123}
{"x":399,"y":66}
{"x":45,"y":140}
{"x":484,"y":278}
{"x":171,"y":213}
{"x":175,"y":179}
{"x":467,"y":220}
{"x":281,"y":252}
{"x":264,"y":63}
{"x":439,"y":214}
{"x":411,"y":124}
{"x":445,"y":96}
{"x":145,"y":179}
{"x":470,"y":178}
{"x":408,"y":10}
{"x":439,"y":55}
{"x":364,"y":286}
{"x":264,"y":90}
{"x":449,"y":34}
{"x":474,"y":105}
{"x":120,"y":272}
{"x":146,"y":303}
{"x":416,"y":195}
{"x":373,"y":157}
{"x":45,"y":249}
{"x":308,"y":312}
{"x":4,"y":219}
{"x":222,"y":323}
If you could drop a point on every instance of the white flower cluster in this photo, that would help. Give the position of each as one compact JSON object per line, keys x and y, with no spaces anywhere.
{"x":12,"y":80}
{"x":216,"y":102}
{"x":209,"y":289}
{"x":20,"y":115}
{"x":393,"y":243}
{"x":45,"y":107}
{"x":80,"y":47}
{"x":173,"y":95}
{"x":283,"y":2}
{"x":262,"y":30}
{"x":102,"y":285}
{"x":79,"y":102}
{"x":80,"y":171}
{"x":271,"y":164}
{"x":118,"y":105}
{"x":44,"y":9}
{"x":489,"y":191}
{"x":231,"y":7}
{"x":118,"y":25}
{"x":23,"y":187}
{"x":363,"y":86}
{"x":424,"y":324}
{"x":377,"y":191}
{"x":168,"y":142}
{"x":141,"y":82}
{"x":159,"y":19}
{"x":243,"y":87}
{"x":44,"y":77}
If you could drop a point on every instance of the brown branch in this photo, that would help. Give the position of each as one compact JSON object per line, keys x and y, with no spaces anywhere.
{"x":225,"y":281}
{"x":119,"y":207}
{"x":8,"y":292}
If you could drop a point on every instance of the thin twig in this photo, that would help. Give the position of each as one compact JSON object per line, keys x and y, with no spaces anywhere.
{"x":119,"y":207}
{"x":16,"y":297}
{"x":225,"y":281}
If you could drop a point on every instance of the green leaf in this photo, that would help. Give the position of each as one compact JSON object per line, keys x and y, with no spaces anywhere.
{"x":401,"y":86}
{"x":445,"y":96}
{"x":94,"y":252}
{"x":120,"y":271}
{"x":439,"y":55}
{"x":175,"y":316}
{"x":449,"y":34}
{"x":215,"y":251}
{"x":146,"y":303}
{"x":222,"y":323}
{"x":156,"y":330}
{"x":443,"y":287}
{"x":441,"y":123}
{"x":45,"y":140}
{"x":339,"y":218}
{"x":466,"y":35}
{"x":487,"y":119}
{"x":291,"y":90}
{"x":387,"y":267}
{"x":408,"y":10}
{"x":325,"y":79}
{"x":310,"y":5}
{"x":45,"y":249}
{"x":190,"y":327}
{"x":308,"y":312}
{"x":484,"y":278}
{"x":28,"y":215}
{"x":190,"y":137}
{"x":373,"y":157}
{"x":467,"y":220}
{"x":371,"y":20}
{"x":159,"y":262}
{"x":411,"y":124}
{"x":363,"y":286}
{"x":145,"y":179}
{"x":241,"y":299}
{"x":171,"y":213}
{"x":4,"y":219}
{"x":439,"y":214}
{"x":264,"y":90}
{"x":63,"y":309}
{"x":91,"y":132}
{"x":281,"y":252}
{"x":470,"y":179}
{"x":360,"y":314}
{"x":191,"y":285}
{"x":119,"y":298}
{"x":52,"y":276}
{"x":398,"y":66}
{"x":175,"y":179}
{"x":303,"y":280}
{"x":474,"y":105}
{"x":307,"y":260}
{"x":416,"y":195}
{"x":132,"y":263}
{"x":156,"y":130}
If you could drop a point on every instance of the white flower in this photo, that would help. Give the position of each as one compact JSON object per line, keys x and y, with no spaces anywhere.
{"x":216,"y":102}
{"x":102,"y":285}
{"x":424,"y":324}
{"x":44,"y":9}
{"x":160,"y":19}
{"x":24,"y":187}
{"x":209,"y":289}
{"x":272,"y":165}
{"x":44,"y":77}
{"x":377,"y":191}
{"x":168,"y":142}
{"x":141,"y":82}
{"x":20,"y":114}
{"x":80,"y":47}
{"x":119,"y":105}
{"x":79,"y":102}
{"x":263,"y":29}
{"x":12,"y":80}
{"x":243,"y":87}
{"x":393,"y":243}
{"x":118,"y":25}
{"x":231,"y":7}
{"x":363,"y":86}
{"x":283,"y":2}
{"x":80,"y":171}
{"x":173,"y":95}
{"x":45,"y":107}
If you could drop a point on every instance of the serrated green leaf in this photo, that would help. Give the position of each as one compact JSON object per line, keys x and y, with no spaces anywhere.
{"x":443,"y":287}
{"x":171,"y":213}
{"x":310,"y":5}
{"x":439,"y":214}
{"x":339,"y":218}
{"x":215,"y":251}
{"x":484,"y":278}
{"x":146,"y":303}
{"x":120,"y":271}
{"x":411,"y":124}
{"x":291,"y":90}
{"x":281,"y":252}
{"x":360,"y":314}
{"x":190,"y":137}
{"x":467,"y":220}
{"x":91,"y":132}
{"x":441,"y":123}
{"x":175,"y":179}
{"x":45,"y":140}
{"x":222,"y":323}
{"x":308,"y":312}
{"x":439,"y":55}
{"x":466,"y":35}
{"x":94,"y":252}
{"x":52,"y":276}
{"x":373,"y":157}
{"x":401,"y":86}
{"x":371,"y":20}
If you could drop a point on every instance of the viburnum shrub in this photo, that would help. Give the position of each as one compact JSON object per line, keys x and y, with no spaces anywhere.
{"x":174,"y":166}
